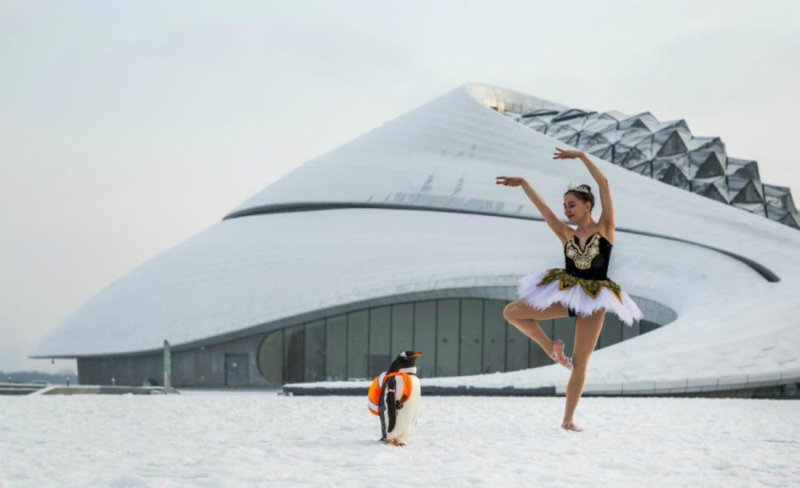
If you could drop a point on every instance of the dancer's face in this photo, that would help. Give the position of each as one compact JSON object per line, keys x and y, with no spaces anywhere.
{"x":574,"y":208}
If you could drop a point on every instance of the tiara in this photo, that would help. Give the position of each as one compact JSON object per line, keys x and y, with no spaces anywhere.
{"x":579,"y":188}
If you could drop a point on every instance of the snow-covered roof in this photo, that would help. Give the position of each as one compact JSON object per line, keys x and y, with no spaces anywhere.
{"x":363,"y":236}
{"x":439,"y":156}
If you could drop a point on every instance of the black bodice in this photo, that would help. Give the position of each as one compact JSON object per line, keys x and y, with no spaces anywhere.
{"x":590,"y":262}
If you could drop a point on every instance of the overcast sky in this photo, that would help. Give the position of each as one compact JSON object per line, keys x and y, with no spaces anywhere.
{"x":128,"y":127}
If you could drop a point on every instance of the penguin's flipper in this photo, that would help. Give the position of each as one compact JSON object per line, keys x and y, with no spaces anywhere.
{"x":382,"y":412}
{"x":391,"y":405}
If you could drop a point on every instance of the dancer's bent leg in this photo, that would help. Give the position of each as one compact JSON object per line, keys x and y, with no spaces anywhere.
{"x":587,"y":331}
{"x":524,"y":317}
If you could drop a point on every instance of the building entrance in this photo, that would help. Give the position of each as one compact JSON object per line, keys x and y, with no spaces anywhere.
{"x":237,"y":372}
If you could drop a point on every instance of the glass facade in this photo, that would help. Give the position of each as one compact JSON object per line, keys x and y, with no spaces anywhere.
{"x":665,"y":151}
{"x":458,"y":337}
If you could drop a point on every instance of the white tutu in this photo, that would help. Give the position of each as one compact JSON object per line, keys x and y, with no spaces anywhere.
{"x":576,"y":298}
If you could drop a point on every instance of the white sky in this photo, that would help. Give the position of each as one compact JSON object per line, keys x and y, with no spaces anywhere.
{"x":128,"y":127}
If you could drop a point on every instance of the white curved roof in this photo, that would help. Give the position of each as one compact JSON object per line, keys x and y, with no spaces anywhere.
{"x":248,"y":271}
{"x":439,"y":155}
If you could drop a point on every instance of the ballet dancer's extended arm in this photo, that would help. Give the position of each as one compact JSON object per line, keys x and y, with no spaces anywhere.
{"x":607,"y":221}
{"x":562,"y":230}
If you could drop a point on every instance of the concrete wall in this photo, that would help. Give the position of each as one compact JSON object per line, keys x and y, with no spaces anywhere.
{"x":201,"y":367}
{"x":459,"y":336}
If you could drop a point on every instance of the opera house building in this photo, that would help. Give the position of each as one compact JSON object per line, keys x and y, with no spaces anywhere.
{"x":400,"y":239}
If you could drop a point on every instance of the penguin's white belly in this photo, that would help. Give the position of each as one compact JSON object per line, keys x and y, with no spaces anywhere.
{"x":407,"y":416}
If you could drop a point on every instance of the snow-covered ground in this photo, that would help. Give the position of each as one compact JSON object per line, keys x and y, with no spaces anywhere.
{"x":267,"y":439}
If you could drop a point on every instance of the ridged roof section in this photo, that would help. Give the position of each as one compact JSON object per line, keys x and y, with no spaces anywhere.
{"x":442,"y":155}
{"x":667,"y":152}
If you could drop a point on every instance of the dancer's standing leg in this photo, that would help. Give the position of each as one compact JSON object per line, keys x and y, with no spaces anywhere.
{"x":587,"y":331}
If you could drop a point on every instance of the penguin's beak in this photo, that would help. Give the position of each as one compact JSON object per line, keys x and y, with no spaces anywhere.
{"x":416,"y":355}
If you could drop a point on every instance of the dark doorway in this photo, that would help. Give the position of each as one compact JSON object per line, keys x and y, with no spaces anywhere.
{"x":237,"y":369}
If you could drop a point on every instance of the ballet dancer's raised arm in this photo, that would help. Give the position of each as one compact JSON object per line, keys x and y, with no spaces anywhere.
{"x":562,"y":230}
{"x":607,"y":221}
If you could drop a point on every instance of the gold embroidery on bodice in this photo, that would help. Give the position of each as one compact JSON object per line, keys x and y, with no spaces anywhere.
{"x":583,"y":257}
{"x":591,"y":287}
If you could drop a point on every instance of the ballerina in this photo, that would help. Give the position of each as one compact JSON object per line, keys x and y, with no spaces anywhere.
{"x":582,"y":289}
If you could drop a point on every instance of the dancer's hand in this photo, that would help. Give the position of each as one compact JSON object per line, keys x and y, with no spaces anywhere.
{"x":509,"y":180}
{"x":562,"y":154}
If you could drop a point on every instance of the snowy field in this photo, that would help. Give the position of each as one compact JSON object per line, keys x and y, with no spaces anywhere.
{"x":266,"y":439}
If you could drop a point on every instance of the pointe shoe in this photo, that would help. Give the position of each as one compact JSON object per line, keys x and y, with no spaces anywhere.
{"x":571,"y":426}
{"x":557,"y":355}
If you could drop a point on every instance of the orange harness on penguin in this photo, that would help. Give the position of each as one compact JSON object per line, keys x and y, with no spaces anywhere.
{"x":374,"y":394}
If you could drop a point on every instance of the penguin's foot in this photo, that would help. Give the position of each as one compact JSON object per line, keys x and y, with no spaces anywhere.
{"x":395,"y":442}
{"x":570,"y":426}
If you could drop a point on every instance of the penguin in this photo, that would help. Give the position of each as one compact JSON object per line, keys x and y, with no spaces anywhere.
{"x":399,"y":402}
